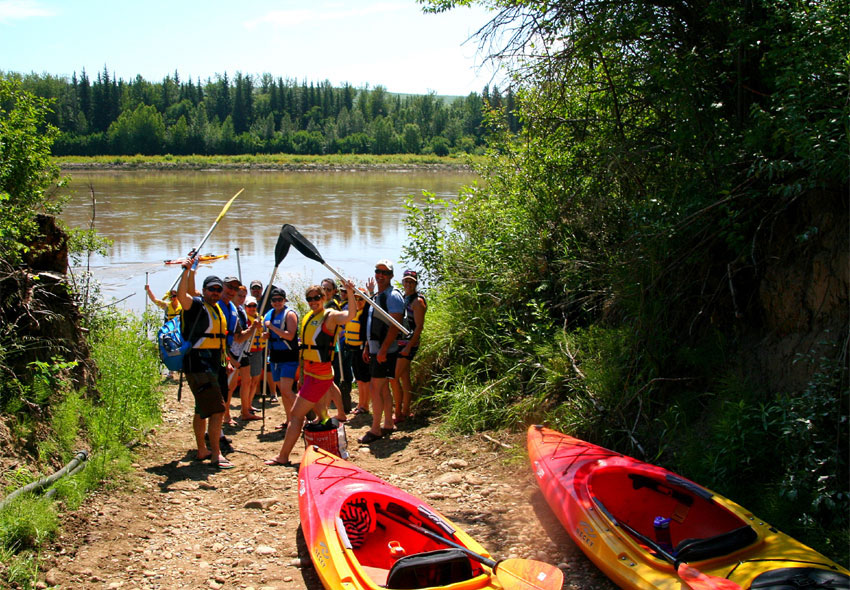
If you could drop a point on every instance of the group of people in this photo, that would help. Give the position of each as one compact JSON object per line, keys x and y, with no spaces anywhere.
{"x":312,"y":362}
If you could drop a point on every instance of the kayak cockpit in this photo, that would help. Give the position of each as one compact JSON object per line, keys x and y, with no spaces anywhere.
{"x":674,"y":514}
{"x":393,"y":555}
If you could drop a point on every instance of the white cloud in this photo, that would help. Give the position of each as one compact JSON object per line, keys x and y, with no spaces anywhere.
{"x":21,"y":9}
{"x":336,"y":12}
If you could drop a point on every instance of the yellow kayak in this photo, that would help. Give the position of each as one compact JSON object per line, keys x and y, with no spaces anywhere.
{"x":364,"y":533}
{"x":638,"y":522}
{"x":201,"y":258}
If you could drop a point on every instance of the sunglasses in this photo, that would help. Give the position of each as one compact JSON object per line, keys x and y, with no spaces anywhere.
{"x":214,"y":289}
{"x":276,"y":299}
{"x":381,"y":271}
{"x":314,"y":298}
{"x":327,"y":288}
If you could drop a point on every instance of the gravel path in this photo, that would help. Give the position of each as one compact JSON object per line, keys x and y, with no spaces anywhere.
{"x":182,"y":524}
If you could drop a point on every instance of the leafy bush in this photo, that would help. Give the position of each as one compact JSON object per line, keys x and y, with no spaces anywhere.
{"x":26,"y":172}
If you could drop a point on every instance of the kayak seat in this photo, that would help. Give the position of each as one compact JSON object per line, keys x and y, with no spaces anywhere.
{"x":358,"y":518}
{"x":723,"y":544}
{"x":641,"y":481}
{"x":432,"y":568}
{"x":800,"y":577}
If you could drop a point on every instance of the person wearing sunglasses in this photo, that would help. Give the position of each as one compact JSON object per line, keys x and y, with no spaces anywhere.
{"x":382,"y":351}
{"x":414,"y":320}
{"x":355,"y":339}
{"x":281,"y":321}
{"x":257,"y":350}
{"x":204,"y":365}
{"x":317,"y":339}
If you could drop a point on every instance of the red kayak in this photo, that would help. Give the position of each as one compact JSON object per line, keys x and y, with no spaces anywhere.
{"x":363,"y":532}
{"x":647,"y":527}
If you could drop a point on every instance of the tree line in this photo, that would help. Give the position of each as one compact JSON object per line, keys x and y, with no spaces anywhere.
{"x":250,"y":114}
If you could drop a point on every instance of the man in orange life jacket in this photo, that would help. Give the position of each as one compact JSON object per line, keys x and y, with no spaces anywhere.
{"x":204,"y":365}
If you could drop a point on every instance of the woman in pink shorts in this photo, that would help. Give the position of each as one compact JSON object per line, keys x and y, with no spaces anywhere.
{"x":318,"y":333}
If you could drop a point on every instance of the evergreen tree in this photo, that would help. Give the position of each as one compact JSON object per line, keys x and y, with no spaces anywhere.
{"x":240,"y":105}
{"x":84,"y":95}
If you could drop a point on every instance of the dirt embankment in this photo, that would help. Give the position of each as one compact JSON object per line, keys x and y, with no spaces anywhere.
{"x":182,"y":524}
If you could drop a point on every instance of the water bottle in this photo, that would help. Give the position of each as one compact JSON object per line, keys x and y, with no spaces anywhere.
{"x":662,"y":533}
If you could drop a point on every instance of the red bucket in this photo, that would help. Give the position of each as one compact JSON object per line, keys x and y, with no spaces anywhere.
{"x":329,"y":435}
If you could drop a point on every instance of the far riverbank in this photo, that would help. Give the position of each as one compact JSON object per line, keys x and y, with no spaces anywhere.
{"x":282,"y":162}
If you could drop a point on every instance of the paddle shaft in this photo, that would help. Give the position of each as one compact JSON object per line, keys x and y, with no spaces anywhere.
{"x":439,"y":538}
{"x":384,"y":315}
{"x":238,"y":266}
{"x":203,"y":241}
{"x":266,"y":348}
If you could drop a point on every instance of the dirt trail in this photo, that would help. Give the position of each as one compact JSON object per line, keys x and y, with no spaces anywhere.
{"x":186,"y":525}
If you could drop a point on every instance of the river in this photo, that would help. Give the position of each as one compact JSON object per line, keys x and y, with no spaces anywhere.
{"x":353,"y":219}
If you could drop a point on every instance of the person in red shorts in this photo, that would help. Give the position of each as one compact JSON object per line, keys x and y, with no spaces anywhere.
{"x":317,"y":341}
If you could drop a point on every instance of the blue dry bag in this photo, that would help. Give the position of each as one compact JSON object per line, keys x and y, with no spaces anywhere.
{"x":172,"y":347}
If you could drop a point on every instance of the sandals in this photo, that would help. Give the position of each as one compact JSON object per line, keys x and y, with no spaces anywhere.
{"x":276,"y":463}
{"x":369,"y":437}
{"x":360,"y":410}
{"x":222,"y":464}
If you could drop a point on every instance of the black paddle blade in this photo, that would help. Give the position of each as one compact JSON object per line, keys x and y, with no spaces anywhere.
{"x":301,"y":243}
{"x":281,"y":249}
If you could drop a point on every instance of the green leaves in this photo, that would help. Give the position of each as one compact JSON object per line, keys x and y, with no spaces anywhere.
{"x":26,"y":173}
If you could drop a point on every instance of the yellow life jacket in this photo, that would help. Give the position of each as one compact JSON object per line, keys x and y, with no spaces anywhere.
{"x":216,"y":332}
{"x":353,"y":336}
{"x":258,"y":342}
{"x":316,"y":346}
{"x":172,"y":308}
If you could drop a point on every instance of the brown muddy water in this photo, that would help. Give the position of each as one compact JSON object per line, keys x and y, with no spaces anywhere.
{"x":353,"y":218}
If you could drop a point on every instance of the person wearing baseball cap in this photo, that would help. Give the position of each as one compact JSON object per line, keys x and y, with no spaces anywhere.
{"x":281,"y":323}
{"x":382,"y":351}
{"x":257,"y":350}
{"x":414,"y":320}
{"x":204,"y":326}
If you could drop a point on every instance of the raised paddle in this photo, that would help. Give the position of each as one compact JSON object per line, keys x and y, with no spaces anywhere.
{"x":281,"y":249}
{"x":694,"y":578}
{"x":238,"y":266}
{"x":197,"y":248}
{"x":513,"y":574}
{"x":303,"y":245}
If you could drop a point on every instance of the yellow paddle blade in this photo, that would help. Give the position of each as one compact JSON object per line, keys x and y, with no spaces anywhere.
{"x":700,"y":581}
{"x":227,"y":206}
{"x":528,"y":574}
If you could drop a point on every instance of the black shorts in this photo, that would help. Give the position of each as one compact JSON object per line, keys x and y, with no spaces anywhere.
{"x":358,"y":365}
{"x":409,"y":357}
{"x":383,"y":370}
{"x":245,"y":361}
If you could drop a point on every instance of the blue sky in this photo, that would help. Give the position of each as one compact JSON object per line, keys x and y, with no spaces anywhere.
{"x":376,"y":42}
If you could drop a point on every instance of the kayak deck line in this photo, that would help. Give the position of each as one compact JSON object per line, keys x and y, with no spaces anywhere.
{"x":363,"y":533}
